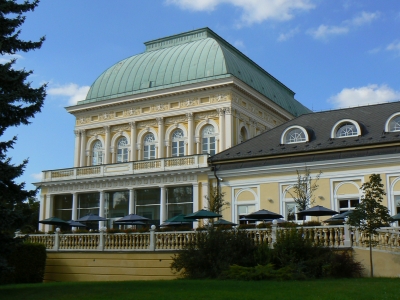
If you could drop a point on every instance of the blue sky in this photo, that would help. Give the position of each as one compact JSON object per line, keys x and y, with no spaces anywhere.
{"x":332,"y":54}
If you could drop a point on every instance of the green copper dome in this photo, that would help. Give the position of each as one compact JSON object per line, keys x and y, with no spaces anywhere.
{"x":183,"y":59}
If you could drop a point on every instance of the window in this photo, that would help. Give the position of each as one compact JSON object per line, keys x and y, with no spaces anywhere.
{"x":290,"y":211}
{"x":63,"y":207}
{"x":97,"y":153}
{"x":116,"y":206}
{"x":178,"y":143}
{"x":208,"y":139}
{"x":346,"y":129}
{"x":88,"y":203}
{"x":243,"y":210}
{"x":149,"y":151}
{"x":148,"y":204}
{"x":122,"y":150}
{"x":397,"y":204}
{"x":347,"y":204}
{"x":243,"y":135}
{"x":394,"y":124}
{"x":179,"y":201}
{"x":295,"y":135}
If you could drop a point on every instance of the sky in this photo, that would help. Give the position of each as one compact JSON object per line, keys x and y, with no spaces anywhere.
{"x":332,"y":54}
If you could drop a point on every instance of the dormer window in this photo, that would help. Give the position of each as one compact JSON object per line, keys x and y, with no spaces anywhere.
{"x":393,"y":123}
{"x":345,"y":128}
{"x":294,"y":134}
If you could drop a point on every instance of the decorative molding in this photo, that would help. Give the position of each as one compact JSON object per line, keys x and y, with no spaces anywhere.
{"x":177,"y":119}
{"x":97,"y":131}
{"x":160,"y":120}
{"x":206,"y":115}
{"x":190,"y":102}
{"x":132,"y":112}
{"x":160,"y":107}
{"x":149,"y":123}
{"x":220,"y":97}
{"x":122,"y":127}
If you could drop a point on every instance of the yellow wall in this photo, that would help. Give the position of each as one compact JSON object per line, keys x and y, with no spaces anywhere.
{"x":386,"y":264}
{"x":100,"y":266}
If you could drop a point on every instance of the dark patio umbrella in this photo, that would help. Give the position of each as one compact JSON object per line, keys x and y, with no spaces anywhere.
{"x":317,"y":211}
{"x":177,"y":221}
{"x":130,"y":223}
{"x":202,"y":214}
{"x":223,"y":222}
{"x":279,"y":221}
{"x":395,"y":217}
{"x":131,"y":218}
{"x":53,"y":221}
{"x":339,"y":217}
{"x":91,"y":218}
{"x":73,"y":223}
{"x":263,"y":214}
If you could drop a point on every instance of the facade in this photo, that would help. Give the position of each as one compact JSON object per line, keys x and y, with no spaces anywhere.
{"x":149,"y":123}
{"x":346,"y":145}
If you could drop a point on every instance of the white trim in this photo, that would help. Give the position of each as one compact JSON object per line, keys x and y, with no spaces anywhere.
{"x":117,"y":136}
{"x":235,"y":202}
{"x":283,"y":136}
{"x":199,"y":127}
{"x":90,"y":142}
{"x":337,"y":125}
{"x":171,"y":129}
{"x":390,"y":119}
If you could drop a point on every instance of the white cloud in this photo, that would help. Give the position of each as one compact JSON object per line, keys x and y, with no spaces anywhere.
{"x":325,"y":31}
{"x":7,"y":57}
{"x":239,"y":44}
{"x":71,"y":90}
{"x":37,"y":176}
{"x":375,"y":50}
{"x":288,"y":35}
{"x":253,"y":11}
{"x":395,"y":46}
{"x":364,"y":95}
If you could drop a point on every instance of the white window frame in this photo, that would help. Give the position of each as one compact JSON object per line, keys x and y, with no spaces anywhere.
{"x":178,"y":143}
{"x":98,"y":154}
{"x":149,"y":147}
{"x":341,"y":123}
{"x":389,"y":120}
{"x":291,"y":128}
{"x":122,"y":150}
{"x":208,"y":140}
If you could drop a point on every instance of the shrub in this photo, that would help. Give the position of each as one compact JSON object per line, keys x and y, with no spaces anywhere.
{"x":258,"y":272}
{"x":312,"y":223}
{"x":343,"y":265}
{"x":28,"y":262}
{"x":212,"y":252}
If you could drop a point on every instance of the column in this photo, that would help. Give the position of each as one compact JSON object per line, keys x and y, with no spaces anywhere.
{"x":83,"y":149}
{"x":228,"y":127}
{"x":204,"y":192}
{"x":163,"y":205}
{"x":161,"y":130}
{"x":133,"y":141}
{"x":198,"y":150}
{"x":49,"y":209}
{"x":132,"y":201}
{"x":74,"y":206}
{"x":77,"y":148}
{"x":41,"y":212}
{"x":101,"y":210}
{"x":190,"y":133}
{"x":221,"y":114}
{"x":196,"y":203}
{"x":107,"y":145}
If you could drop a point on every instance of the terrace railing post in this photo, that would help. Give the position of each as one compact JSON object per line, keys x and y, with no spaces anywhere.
{"x":273,"y":233}
{"x":347,"y":234}
{"x":101,"y":241}
{"x":152,"y":246}
{"x":56,"y":245}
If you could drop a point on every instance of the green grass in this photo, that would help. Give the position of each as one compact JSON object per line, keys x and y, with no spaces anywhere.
{"x":341,"y":289}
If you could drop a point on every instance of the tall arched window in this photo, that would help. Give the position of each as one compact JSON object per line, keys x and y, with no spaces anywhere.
{"x":97,"y":153}
{"x":178,"y":143}
{"x":208,"y":139}
{"x":149,"y":151}
{"x":243,"y":135}
{"x":122,"y":150}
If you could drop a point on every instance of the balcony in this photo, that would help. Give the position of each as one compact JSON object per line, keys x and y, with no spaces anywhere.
{"x":128,"y":168}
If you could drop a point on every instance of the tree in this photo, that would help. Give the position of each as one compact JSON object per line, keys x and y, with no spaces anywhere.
{"x":216,"y":201}
{"x":19,"y":102}
{"x":370,"y":214}
{"x":304,"y":188}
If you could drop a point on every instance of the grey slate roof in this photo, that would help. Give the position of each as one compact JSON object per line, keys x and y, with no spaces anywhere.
{"x":267,"y":146}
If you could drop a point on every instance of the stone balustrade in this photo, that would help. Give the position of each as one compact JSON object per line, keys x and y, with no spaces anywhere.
{"x":128,"y":168}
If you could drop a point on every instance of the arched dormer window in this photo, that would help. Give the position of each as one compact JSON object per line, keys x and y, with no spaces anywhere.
{"x":345,"y":128}
{"x":178,"y":143}
{"x":97,"y":153}
{"x":149,"y":149}
{"x":294,"y":134}
{"x":122,"y":150}
{"x":208,"y":139}
{"x":393,"y":123}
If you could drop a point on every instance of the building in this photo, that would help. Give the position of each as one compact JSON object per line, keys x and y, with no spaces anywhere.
{"x":346,"y":145}
{"x":149,"y":123}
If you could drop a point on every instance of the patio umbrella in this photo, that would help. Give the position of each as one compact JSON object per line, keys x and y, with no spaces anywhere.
{"x":263,"y":214}
{"x":395,"y":217}
{"x":177,"y":220}
{"x":202,"y":214}
{"x":339,"y":217}
{"x":317,"y":211}
{"x":130,"y":223}
{"x":73,"y":223}
{"x":91,"y":218}
{"x":131,"y":218}
{"x":279,"y":221}
{"x":223,"y":222}
{"x":53,"y":221}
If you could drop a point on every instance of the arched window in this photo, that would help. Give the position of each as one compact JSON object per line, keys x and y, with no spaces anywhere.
{"x":149,"y":151}
{"x":97,"y":153}
{"x":208,"y":139}
{"x":178,"y":143}
{"x":243,"y":135}
{"x":394,"y":124}
{"x":346,"y":129}
{"x":295,"y":135}
{"x":122,"y":150}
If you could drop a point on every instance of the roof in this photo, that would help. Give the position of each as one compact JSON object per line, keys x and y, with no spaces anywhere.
{"x":267,"y":146}
{"x":187,"y":58}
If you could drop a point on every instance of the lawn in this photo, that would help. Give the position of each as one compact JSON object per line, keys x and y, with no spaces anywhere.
{"x":341,"y":289}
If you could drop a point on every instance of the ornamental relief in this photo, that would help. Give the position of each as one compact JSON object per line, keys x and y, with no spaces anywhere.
{"x":149,"y":123}
{"x":206,"y":115}
{"x":190,"y":102}
{"x":175,"y":120}
{"x":160,"y":107}
{"x":107,"y":116}
{"x":221,"y":97}
{"x":82,"y":120}
{"x":131,"y":112}
{"x":122,"y":127}
{"x":93,"y":132}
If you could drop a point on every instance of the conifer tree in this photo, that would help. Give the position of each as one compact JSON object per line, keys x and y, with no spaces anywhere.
{"x":19,"y":102}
